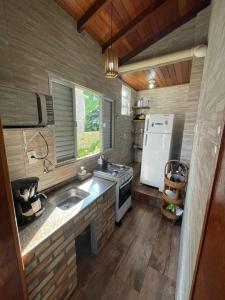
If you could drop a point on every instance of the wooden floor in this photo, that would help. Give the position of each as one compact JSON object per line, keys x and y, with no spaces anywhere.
{"x":151,"y":195}
{"x":138,"y":263}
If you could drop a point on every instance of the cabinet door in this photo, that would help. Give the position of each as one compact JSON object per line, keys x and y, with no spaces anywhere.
{"x":11,"y":273}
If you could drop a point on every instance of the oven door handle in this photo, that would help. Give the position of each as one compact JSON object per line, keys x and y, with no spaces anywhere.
{"x":125,"y":183}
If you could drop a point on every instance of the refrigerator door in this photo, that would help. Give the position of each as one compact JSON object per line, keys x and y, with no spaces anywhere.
{"x":159,"y":123}
{"x":156,"y":151}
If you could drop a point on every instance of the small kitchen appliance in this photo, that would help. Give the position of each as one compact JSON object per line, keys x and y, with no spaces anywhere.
{"x":123,"y":176}
{"x":28,"y":202}
{"x":41,"y":112}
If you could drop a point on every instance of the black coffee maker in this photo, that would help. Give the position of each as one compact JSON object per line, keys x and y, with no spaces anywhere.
{"x":27,"y":201}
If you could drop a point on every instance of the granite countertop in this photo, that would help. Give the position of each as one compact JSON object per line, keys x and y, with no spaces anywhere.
{"x":53,"y":218}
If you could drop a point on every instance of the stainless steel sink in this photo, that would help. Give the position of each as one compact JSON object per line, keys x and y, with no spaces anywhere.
{"x":68,"y":198}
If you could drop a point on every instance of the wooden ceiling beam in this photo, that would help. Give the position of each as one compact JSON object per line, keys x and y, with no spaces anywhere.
{"x":90,"y":14}
{"x":146,"y":12}
{"x":156,"y":37}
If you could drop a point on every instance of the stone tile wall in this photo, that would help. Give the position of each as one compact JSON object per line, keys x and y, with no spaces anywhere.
{"x":207,"y":140}
{"x":192,"y":108}
{"x":37,"y":39}
{"x":167,"y":101}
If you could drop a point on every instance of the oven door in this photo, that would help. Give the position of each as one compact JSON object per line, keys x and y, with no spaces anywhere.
{"x":125,"y":191}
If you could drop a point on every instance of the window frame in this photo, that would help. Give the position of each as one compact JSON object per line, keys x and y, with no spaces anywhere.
{"x":73,"y":85}
{"x":130,"y":96}
{"x":113,"y":123}
{"x":100,"y":120}
{"x":70,"y":85}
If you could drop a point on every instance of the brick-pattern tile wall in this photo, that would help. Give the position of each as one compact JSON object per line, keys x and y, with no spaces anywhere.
{"x":31,"y":48}
{"x":207,"y":140}
{"x":192,"y":108}
{"x":50,"y":269}
{"x":106,"y":218}
{"x":167,"y":101}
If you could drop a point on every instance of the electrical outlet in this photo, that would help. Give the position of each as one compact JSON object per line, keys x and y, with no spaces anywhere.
{"x":30,"y":155}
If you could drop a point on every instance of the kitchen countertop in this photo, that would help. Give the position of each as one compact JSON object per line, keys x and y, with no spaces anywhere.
{"x":53,"y":218}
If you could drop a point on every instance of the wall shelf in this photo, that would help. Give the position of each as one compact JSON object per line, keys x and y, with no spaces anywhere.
{"x":139,"y":147}
{"x":141,"y":107}
{"x":139,"y":121}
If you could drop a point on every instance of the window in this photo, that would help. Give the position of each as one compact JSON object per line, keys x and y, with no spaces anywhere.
{"x":65,"y":140}
{"x":108,"y":123}
{"x":88,"y":122}
{"x":83,"y":121}
{"x":126,"y":101}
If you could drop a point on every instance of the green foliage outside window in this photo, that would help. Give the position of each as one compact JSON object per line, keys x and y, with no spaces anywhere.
{"x":89,"y":141}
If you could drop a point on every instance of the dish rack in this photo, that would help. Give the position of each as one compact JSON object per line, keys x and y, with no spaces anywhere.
{"x":175,"y":181}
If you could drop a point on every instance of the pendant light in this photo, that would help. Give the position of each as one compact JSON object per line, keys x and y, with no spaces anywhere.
{"x":152,"y":82}
{"x":111,"y":57}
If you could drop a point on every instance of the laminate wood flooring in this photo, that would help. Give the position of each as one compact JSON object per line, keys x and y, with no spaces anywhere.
{"x":139,"y":261}
{"x":146,"y":193}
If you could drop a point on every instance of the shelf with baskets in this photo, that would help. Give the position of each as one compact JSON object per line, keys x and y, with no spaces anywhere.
{"x":175,"y":180}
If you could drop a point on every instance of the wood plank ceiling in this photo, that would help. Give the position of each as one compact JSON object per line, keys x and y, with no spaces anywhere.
{"x":169,"y":75}
{"x":136,"y":24}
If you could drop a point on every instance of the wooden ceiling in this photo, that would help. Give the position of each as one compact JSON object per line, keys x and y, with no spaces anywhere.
{"x":169,"y":75}
{"x":136,"y":24}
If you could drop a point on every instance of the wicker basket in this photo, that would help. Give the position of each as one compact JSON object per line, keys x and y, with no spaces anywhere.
{"x":174,"y":185}
{"x":177,"y":187}
{"x":169,"y":214}
{"x":168,"y":200}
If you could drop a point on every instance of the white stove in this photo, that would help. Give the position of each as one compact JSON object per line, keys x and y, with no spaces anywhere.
{"x":123,"y":176}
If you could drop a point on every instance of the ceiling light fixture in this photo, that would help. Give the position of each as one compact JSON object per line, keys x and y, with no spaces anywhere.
{"x":152,"y":74}
{"x":111,"y":57}
{"x":152,"y":83}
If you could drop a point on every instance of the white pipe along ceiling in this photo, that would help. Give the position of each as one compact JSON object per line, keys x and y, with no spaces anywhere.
{"x":197,"y":51}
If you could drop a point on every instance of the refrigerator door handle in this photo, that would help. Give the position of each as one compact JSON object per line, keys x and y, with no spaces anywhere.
{"x":147,"y":125}
{"x":146,"y":140}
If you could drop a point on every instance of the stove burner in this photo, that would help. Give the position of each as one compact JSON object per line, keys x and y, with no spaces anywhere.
{"x":114,"y":173}
{"x":115,"y":170}
{"x":122,"y":168}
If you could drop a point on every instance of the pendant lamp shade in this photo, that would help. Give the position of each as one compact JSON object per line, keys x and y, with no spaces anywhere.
{"x":111,"y":63}
{"x":111,"y":57}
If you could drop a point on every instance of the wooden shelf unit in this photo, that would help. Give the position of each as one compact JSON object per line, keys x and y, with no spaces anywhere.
{"x":177,"y":187}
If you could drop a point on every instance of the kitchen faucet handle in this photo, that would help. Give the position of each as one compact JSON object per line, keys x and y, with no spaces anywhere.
{"x":43,"y":195}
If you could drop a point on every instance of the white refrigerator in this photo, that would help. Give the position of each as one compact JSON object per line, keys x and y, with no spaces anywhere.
{"x":156,"y":148}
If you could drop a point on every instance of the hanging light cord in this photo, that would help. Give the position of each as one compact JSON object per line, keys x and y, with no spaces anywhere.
{"x":111,"y":21}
